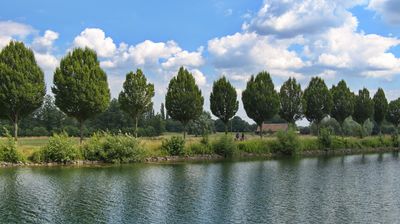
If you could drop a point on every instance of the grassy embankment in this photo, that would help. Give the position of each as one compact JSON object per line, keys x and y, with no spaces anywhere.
{"x":126,"y":149}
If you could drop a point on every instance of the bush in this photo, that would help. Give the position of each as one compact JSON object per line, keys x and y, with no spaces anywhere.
{"x":352,"y":128}
{"x":60,"y":148}
{"x":39,"y":131}
{"x":255,"y":146}
{"x":325,"y":138}
{"x":8,"y":150}
{"x":305,"y":130}
{"x":288,"y":142}
{"x":175,"y":146}
{"x":224,"y":146}
{"x":113,"y":148}
{"x":200,"y":149}
{"x":310,"y":144}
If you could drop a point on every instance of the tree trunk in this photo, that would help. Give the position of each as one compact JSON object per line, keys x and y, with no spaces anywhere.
{"x":184,"y":131}
{"x":317,"y":124}
{"x":16,"y":128}
{"x":226,"y":128}
{"x":136,"y":124}
{"x":261,"y":131}
{"x":81,"y":131}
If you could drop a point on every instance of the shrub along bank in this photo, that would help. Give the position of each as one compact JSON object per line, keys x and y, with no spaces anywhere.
{"x":119,"y":148}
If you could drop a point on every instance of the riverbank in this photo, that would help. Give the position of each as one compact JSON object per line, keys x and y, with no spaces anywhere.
{"x":208,"y":158}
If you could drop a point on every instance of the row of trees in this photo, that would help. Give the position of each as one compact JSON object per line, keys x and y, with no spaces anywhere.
{"x":81,"y":91}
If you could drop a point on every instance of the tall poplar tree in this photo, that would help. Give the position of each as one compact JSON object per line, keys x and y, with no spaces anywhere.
{"x":317,"y":101}
{"x":22,"y":86}
{"x":184,"y":101}
{"x":343,"y":102}
{"x":260,"y":100}
{"x":223,"y":101}
{"x":363,"y":107}
{"x":135,"y":98}
{"x":380,"y":107}
{"x":80,"y":86}
{"x":393,"y":114}
{"x":290,"y":96}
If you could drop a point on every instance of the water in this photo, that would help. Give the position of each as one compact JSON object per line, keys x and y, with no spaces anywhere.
{"x":357,"y":189}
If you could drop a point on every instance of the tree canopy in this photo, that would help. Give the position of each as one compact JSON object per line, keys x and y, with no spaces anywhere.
{"x":223,"y":101}
{"x":290,"y":96}
{"x":380,"y":106}
{"x":184,"y":101}
{"x":317,"y":101}
{"x":22,"y":86}
{"x":343,"y":102}
{"x":80,"y":86}
{"x":363,"y":106}
{"x":260,"y":100}
{"x":135,"y":98}
{"x":393,"y":114}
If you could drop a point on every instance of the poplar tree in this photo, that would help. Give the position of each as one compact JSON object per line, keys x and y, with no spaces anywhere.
{"x":393,"y":114}
{"x":80,"y":86}
{"x":343,"y":102}
{"x":260,"y":100}
{"x":317,"y":101}
{"x":363,"y":107}
{"x":184,"y":101}
{"x":380,"y":107}
{"x":22,"y":86}
{"x":290,"y":96}
{"x":135,"y":98}
{"x":223,"y":101}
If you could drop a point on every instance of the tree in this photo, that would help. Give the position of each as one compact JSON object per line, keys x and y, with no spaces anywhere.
{"x":184,"y":101}
{"x":22,"y":85}
{"x":80,"y":86}
{"x":317,"y":101}
{"x":135,"y":98}
{"x":260,"y":100}
{"x":223,"y":101}
{"x":380,"y":107}
{"x":343,"y":102}
{"x":290,"y":97}
{"x":363,"y":107}
{"x":162,"y":111}
{"x":203,"y":125}
{"x":393,"y":114}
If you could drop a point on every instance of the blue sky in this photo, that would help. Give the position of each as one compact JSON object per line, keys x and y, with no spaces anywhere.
{"x":358,"y":41}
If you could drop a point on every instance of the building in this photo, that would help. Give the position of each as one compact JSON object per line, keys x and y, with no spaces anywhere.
{"x":272,"y":128}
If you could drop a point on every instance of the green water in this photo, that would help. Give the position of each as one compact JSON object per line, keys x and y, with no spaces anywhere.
{"x":357,"y":189}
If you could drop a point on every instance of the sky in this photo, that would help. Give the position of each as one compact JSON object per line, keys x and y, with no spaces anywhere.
{"x":358,"y":40}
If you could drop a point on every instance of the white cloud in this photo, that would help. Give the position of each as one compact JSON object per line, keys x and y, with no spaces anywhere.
{"x":10,"y":30}
{"x":388,"y":9}
{"x":199,"y":77}
{"x":96,"y":39}
{"x":45,"y":43}
{"x":192,"y":59}
{"x":290,"y":18}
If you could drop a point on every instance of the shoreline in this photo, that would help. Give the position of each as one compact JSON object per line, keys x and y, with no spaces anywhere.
{"x":207,"y":158}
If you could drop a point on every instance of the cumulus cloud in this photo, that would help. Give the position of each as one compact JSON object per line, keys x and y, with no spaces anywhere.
{"x":10,"y":30}
{"x":96,"y":39}
{"x":199,"y":77}
{"x":290,"y":18}
{"x":389,"y":10}
{"x":45,"y":42}
{"x":242,"y":54}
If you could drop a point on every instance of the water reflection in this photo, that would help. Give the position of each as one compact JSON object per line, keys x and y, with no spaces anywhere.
{"x":360,"y":188}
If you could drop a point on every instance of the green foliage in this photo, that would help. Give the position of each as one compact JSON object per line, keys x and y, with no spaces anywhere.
{"x":203,"y":125}
{"x":325,"y":138}
{"x":363,"y":107}
{"x":288,"y":142}
{"x":260,"y":100}
{"x":113,"y":148}
{"x":380,"y":106}
{"x":175,"y":146}
{"x":257,"y":146}
{"x":184,"y":101}
{"x":236,"y":124}
{"x":22,"y":85}
{"x":223,"y":100}
{"x":328,"y":123}
{"x":310,"y":144}
{"x":393,"y":113}
{"x":135,"y":98}
{"x":60,"y":148}
{"x":352,"y":128}
{"x":8,"y":150}
{"x":290,"y":97}
{"x":317,"y":100}
{"x":80,"y":85}
{"x":343,"y":102}
{"x":368,"y":126}
{"x":224,"y":146}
